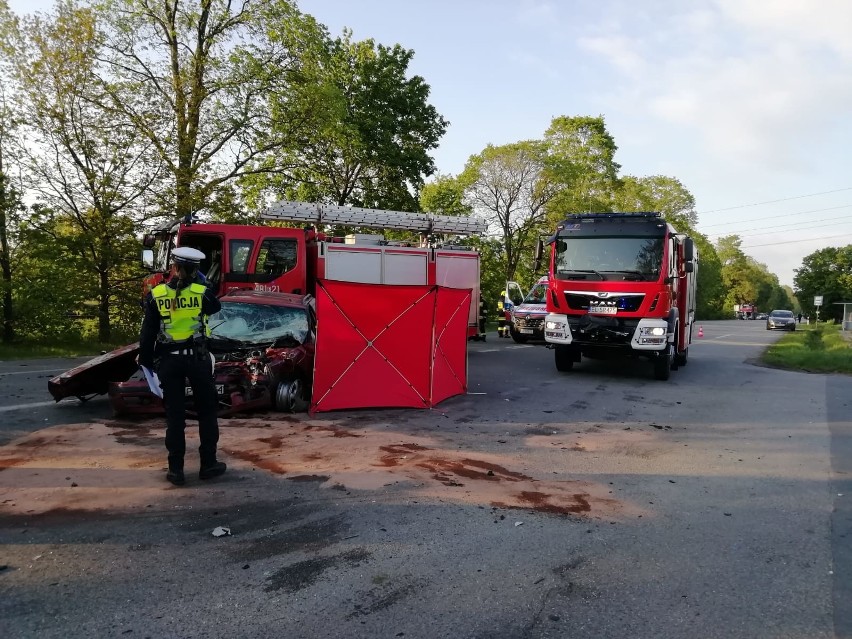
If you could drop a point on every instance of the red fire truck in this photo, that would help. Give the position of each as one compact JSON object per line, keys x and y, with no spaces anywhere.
{"x":290,"y":260}
{"x":745,"y":311}
{"x":621,"y":284}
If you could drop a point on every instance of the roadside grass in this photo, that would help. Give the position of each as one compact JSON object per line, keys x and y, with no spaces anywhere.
{"x":821,"y":348}
{"x":78,"y":348}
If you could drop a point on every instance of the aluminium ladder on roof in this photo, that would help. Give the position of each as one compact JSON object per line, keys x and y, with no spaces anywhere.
{"x":290,"y":211}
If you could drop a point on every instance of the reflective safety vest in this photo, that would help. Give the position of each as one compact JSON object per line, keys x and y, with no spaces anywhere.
{"x":180,"y":313}
{"x":500,"y":301}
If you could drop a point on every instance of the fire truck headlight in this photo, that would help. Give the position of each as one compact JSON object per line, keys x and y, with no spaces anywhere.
{"x":648,"y":331}
{"x":554,"y":326}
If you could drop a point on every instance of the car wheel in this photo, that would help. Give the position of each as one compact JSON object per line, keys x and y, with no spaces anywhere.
{"x":289,"y":395}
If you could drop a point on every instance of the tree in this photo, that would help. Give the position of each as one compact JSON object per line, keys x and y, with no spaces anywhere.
{"x":507,"y":186}
{"x":710,"y":293}
{"x":826,"y":272}
{"x":657,"y":193}
{"x":200,"y":80}
{"x":735,"y":273}
{"x":444,"y":195}
{"x":10,"y":197}
{"x":581,"y":156}
{"x":83,"y":160}
{"x":371,"y":131}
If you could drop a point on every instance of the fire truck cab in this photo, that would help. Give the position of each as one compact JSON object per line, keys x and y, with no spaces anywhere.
{"x":291,"y":260}
{"x":621,"y":284}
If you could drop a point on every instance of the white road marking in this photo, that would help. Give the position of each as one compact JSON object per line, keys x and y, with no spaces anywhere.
{"x":44,"y":370}
{"x":6,"y":409}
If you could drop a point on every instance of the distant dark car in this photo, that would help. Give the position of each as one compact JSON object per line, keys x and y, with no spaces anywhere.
{"x":784,"y":320}
{"x":761,"y":316}
{"x":263,"y":343}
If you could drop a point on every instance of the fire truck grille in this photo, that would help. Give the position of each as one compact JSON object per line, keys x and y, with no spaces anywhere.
{"x":626,"y":303}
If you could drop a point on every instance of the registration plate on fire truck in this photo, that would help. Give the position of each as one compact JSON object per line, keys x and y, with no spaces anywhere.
{"x":220,"y":390}
{"x":603,"y":310}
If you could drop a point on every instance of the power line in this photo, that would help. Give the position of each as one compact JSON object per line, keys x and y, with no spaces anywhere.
{"x":773,"y":217}
{"x":786,"y":230}
{"x":786,"y":199}
{"x":799,"y":241}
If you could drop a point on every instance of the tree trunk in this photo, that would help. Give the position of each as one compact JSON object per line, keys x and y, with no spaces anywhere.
{"x":104,"y":328}
{"x":6,"y":263}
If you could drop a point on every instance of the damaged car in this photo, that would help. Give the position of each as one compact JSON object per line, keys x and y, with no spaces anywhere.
{"x":263,"y":344}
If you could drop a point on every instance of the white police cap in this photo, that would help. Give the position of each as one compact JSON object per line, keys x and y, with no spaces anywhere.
{"x":187,"y":254}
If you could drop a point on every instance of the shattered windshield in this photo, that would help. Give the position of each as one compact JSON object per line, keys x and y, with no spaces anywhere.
{"x":537,"y":294}
{"x":606,"y":258}
{"x":259,"y":323}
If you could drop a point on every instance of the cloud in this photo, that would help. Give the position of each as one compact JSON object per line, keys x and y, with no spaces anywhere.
{"x":755,"y":82}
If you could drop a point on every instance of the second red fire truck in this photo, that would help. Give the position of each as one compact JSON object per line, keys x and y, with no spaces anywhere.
{"x":621,"y":285}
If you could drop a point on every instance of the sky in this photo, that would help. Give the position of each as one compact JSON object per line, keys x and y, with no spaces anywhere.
{"x":748,"y":103}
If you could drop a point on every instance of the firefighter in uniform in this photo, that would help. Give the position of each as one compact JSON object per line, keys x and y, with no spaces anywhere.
{"x":480,"y":323}
{"x":504,"y":310}
{"x":173,"y":341}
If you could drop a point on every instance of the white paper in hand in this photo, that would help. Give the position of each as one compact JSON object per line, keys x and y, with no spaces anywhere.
{"x":153,"y":381}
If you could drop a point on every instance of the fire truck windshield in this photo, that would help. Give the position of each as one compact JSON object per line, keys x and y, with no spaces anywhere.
{"x":603,"y":258}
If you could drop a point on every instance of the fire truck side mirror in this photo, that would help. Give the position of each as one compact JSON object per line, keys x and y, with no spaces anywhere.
{"x":689,"y":267}
{"x":148,"y":240}
{"x":688,"y":251}
{"x":148,"y":258}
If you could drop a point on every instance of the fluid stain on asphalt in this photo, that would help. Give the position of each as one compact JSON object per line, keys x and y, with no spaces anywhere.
{"x":274,"y":442}
{"x":311,"y":536}
{"x":302,"y":574}
{"x":424,"y":469}
{"x":469,"y":469}
{"x":385,"y":598}
{"x":259,"y":460}
{"x":125,"y":468}
{"x":336,"y":432}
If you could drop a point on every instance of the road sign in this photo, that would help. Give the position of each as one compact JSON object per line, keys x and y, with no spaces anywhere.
{"x":817,"y":300}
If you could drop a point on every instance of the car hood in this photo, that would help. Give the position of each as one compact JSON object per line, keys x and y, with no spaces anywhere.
{"x":94,"y":376}
{"x":530,"y":309}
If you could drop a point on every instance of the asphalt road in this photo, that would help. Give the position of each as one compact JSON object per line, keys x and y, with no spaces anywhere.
{"x":595,"y":503}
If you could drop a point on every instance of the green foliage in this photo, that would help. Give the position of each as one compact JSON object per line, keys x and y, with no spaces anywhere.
{"x":821,"y":349}
{"x":368,"y":128}
{"x":508,"y":186}
{"x":814,"y":338}
{"x":826,"y":272}
{"x":581,"y":159}
{"x":711,"y":290}
{"x":445,"y":196}
{"x":657,"y":193}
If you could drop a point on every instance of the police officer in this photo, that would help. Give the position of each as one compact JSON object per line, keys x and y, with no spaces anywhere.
{"x":174,"y":336}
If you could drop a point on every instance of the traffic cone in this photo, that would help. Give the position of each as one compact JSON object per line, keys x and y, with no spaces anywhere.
{"x":700,"y":331}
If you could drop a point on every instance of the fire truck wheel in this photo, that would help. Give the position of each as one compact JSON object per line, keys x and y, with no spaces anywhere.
{"x":564,"y":359}
{"x":682,"y":358}
{"x":663,"y":364}
{"x":289,"y":395}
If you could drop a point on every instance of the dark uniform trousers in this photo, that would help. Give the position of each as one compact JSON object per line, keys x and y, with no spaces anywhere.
{"x":173,"y":371}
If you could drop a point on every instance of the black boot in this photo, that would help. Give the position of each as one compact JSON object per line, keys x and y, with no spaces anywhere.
{"x":208,"y":471}
{"x":176,"y":476}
